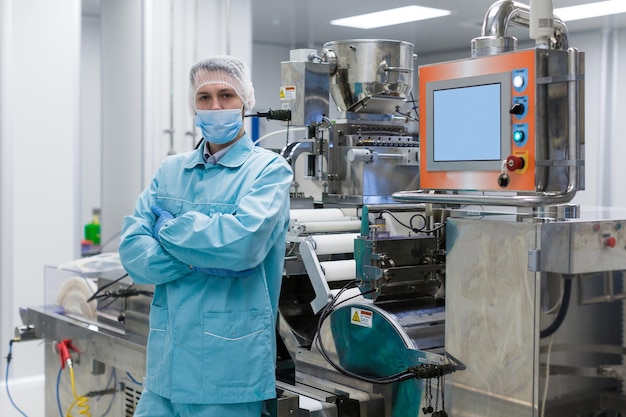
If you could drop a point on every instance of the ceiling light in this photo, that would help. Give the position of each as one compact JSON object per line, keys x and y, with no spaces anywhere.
{"x":390,"y":17}
{"x":589,"y":10}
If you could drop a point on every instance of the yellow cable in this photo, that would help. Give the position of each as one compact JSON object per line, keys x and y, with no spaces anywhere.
{"x":81,"y":402}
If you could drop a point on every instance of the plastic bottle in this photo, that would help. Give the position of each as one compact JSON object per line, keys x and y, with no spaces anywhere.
{"x":92,"y":229}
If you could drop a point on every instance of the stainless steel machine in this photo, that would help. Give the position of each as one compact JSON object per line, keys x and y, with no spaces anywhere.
{"x":93,"y":307}
{"x":371,"y":150}
{"x":440,"y":271}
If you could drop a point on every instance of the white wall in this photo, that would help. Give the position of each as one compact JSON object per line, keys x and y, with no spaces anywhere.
{"x":90,"y":118}
{"x":122,"y":107}
{"x":39,"y":213}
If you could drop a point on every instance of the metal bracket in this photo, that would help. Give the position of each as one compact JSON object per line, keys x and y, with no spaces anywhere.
{"x":534,"y":260}
{"x":316,"y":274}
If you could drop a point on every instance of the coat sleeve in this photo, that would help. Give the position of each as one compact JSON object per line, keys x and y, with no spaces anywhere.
{"x":144,"y":257}
{"x":239,"y":241}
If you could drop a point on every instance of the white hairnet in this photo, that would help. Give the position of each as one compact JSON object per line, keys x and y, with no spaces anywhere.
{"x":222,"y":69}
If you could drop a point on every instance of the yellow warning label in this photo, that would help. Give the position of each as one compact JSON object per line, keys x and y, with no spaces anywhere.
{"x":288,"y":92}
{"x":361,"y":317}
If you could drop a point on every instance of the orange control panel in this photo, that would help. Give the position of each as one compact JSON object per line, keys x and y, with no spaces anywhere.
{"x":477,"y":123}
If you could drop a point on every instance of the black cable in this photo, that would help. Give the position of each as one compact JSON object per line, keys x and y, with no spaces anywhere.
{"x":284,"y":115}
{"x":567,"y":292}
{"x":414,"y":107}
{"x":413,"y":228}
{"x":124,"y":293}
{"x":97,"y":293}
{"x":410,"y":225}
{"x":419,"y":371}
{"x":407,"y":115}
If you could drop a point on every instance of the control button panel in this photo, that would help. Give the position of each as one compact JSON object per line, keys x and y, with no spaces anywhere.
{"x":519,"y":108}
{"x":520,"y":134}
{"x":520,"y":79}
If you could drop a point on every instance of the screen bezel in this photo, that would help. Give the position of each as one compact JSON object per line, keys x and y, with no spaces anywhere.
{"x":502,"y":78}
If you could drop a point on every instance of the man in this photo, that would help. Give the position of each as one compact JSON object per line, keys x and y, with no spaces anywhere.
{"x":210,"y":232}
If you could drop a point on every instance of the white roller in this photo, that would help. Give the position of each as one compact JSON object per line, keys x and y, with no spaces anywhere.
{"x":332,"y":226}
{"x":353,"y":294}
{"x":316,"y":215}
{"x":73,"y":296}
{"x":339,"y":270}
{"x":336,"y":243}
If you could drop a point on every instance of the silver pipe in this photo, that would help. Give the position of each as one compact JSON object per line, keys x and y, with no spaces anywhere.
{"x":546,"y":198}
{"x":495,"y":26}
{"x":501,"y":14}
{"x":487,"y":200}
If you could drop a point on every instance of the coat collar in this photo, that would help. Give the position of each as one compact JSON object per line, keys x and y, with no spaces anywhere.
{"x":235,"y":156}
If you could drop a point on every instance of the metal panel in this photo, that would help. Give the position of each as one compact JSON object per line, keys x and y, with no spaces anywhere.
{"x":491,"y":318}
{"x":583,"y":247}
{"x":304,"y":91}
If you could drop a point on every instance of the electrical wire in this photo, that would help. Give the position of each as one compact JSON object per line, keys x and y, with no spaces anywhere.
{"x":79,"y":402}
{"x":109,"y":240}
{"x":419,"y":371}
{"x":557,"y":305}
{"x":295,"y":129}
{"x":554,"y":326}
{"x":97,"y":293}
{"x":545,"y":388}
{"x":133,"y":379}
{"x":410,"y":225}
{"x":123,"y":293}
{"x":414,"y":107}
{"x":6,"y":378}
{"x":113,"y":378}
{"x":57,"y":391}
{"x":407,"y":115}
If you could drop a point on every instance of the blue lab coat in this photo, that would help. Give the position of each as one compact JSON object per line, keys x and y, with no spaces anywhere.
{"x":212,"y":336}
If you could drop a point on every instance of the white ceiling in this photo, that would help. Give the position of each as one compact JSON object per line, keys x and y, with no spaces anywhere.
{"x":305,"y":23}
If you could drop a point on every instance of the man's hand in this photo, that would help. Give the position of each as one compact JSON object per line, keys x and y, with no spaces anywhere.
{"x":162,"y":216}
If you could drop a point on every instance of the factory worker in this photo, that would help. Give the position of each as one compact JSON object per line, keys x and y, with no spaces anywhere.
{"x":210,"y":233}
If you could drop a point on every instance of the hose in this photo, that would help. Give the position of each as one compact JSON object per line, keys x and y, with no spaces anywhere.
{"x":79,"y":402}
{"x":6,"y":382}
{"x":567,"y":291}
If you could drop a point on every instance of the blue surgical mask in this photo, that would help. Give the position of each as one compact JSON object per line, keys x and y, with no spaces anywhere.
{"x":219,"y":126}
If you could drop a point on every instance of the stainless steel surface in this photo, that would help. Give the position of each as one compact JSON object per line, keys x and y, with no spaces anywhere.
{"x":371,"y":182}
{"x":497,"y":309}
{"x":304,"y":91}
{"x":122,"y":357}
{"x":399,"y":268}
{"x":491,"y":318}
{"x":579,"y":247}
{"x":121,"y":351}
{"x":361,"y":69}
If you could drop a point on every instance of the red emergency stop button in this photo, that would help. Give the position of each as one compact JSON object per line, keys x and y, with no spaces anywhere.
{"x":514,"y":163}
{"x":610,"y":242}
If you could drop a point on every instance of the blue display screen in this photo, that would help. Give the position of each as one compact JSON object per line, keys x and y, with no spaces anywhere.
{"x":467,"y":124}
